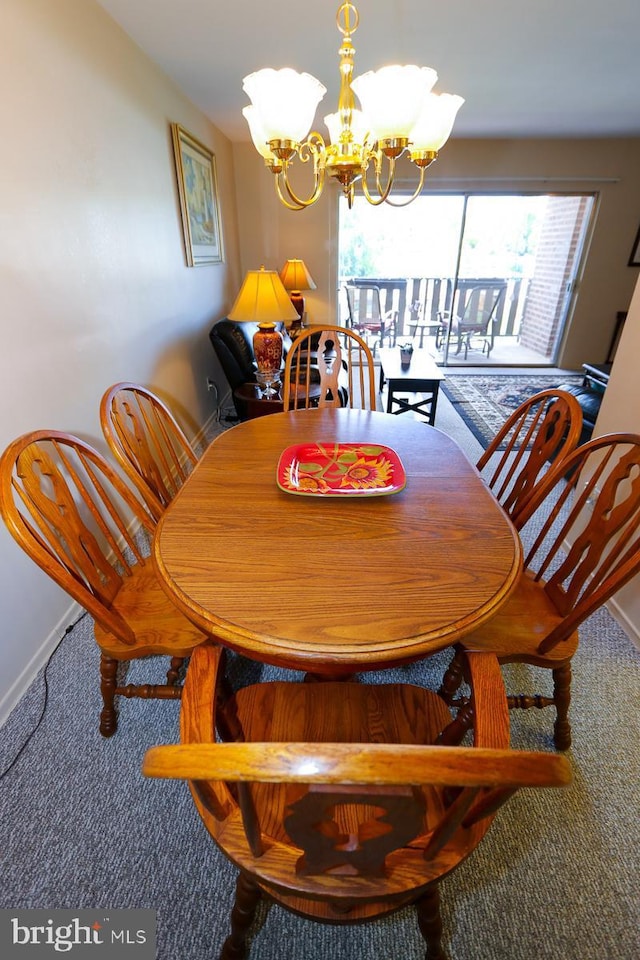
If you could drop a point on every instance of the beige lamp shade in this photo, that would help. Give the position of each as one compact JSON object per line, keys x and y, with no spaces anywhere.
{"x":295,"y":276}
{"x":262,"y":299}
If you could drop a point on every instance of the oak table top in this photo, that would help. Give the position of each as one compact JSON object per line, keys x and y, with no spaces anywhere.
{"x":329,"y":584}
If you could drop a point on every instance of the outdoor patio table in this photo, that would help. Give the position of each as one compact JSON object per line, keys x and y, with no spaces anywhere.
{"x":333,"y":584}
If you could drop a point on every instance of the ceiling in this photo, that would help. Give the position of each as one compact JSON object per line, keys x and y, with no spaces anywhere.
{"x":549,"y":68}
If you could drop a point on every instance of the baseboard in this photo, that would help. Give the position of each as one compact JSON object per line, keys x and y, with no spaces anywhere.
{"x":21,"y":684}
{"x":623,"y":620}
{"x":210,"y":428}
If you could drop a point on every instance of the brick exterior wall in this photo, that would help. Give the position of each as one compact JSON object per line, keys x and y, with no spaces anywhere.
{"x":554,"y":266}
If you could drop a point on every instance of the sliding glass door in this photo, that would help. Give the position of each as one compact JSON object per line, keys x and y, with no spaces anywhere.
{"x":474,"y":278}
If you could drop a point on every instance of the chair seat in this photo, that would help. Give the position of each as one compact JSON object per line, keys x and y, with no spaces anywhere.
{"x":159,"y":627}
{"x":468,"y":326}
{"x":521,"y":624}
{"x":350,"y":713}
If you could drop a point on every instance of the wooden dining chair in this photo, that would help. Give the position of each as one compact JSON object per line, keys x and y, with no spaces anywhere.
{"x":344,"y":802}
{"x":146,"y":440}
{"x":342,"y":361}
{"x":78,"y":520}
{"x":586,"y":549}
{"x":544,"y":429}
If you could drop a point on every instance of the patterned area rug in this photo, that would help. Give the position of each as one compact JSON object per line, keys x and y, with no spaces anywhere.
{"x":484,"y":403}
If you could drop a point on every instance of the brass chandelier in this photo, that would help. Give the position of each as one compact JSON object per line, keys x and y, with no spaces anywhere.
{"x":399,"y":115}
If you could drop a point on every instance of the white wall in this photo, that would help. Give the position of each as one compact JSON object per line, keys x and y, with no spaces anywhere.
{"x":93,"y":277}
{"x":620,"y":413}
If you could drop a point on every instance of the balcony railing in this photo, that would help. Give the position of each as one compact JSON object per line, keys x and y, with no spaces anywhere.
{"x":418,"y":301}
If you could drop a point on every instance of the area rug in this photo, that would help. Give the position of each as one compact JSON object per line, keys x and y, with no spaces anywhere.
{"x":485,"y":402}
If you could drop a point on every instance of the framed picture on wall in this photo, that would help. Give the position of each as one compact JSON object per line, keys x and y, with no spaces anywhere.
{"x":634,"y":259}
{"x":198,"y":191}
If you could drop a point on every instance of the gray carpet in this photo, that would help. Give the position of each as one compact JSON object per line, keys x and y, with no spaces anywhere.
{"x":557,"y":876}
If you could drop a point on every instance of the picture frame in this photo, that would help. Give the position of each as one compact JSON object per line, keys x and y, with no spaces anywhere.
{"x":198,"y":192}
{"x":634,"y":259}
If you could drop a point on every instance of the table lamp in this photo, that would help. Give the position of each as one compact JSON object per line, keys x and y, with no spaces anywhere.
{"x":263,"y":300}
{"x":295,"y":277}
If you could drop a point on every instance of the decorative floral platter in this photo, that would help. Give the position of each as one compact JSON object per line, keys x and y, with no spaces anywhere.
{"x":339,"y":469}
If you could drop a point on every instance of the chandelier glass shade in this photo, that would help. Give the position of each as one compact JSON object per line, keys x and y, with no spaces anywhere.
{"x":399,"y":115}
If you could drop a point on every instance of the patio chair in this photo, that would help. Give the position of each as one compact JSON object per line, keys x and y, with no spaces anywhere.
{"x":478,"y":320}
{"x":335,"y":802}
{"x":366,"y":317}
{"x":146,"y":440}
{"x":586,"y":549}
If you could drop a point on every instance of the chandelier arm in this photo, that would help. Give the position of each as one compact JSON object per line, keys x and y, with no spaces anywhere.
{"x":281,"y":196}
{"x":416,"y":192}
{"x":382,"y":193}
{"x":297,"y":202}
{"x":313,"y":147}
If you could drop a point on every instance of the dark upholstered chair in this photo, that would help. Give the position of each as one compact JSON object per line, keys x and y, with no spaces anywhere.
{"x":589,"y":400}
{"x":233,"y":345}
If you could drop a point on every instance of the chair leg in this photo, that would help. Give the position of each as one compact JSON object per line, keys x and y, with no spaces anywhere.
{"x":454,"y":733}
{"x":173,"y":672}
{"x":247,"y":899}
{"x":453,"y":677}
{"x":108,"y":715}
{"x":430,"y":923}
{"x":562,"y":699}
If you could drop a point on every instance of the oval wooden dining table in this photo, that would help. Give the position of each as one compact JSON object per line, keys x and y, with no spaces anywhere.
{"x":328,"y":584}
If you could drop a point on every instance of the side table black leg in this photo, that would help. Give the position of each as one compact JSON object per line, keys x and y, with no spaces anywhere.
{"x":434,"y":404}
{"x":389,"y":396}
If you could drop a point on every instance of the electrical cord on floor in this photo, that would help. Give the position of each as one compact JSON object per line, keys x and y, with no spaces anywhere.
{"x":46,"y":696}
